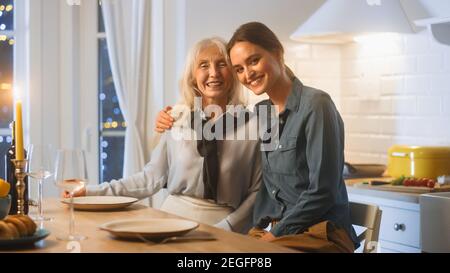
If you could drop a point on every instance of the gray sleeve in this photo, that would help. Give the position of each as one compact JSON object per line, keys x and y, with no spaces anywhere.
{"x":240,"y":219}
{"x":324,"y":150}
{"x":143,"y":184}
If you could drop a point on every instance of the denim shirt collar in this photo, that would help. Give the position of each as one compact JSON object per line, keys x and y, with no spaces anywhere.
{"x":293,"y":100}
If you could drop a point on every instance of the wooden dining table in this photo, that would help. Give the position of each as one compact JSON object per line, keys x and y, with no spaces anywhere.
{"x":99,"y":241}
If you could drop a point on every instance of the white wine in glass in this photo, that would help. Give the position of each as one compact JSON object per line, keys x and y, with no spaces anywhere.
{"x":72,"y":185}
{"x":71,"y":176}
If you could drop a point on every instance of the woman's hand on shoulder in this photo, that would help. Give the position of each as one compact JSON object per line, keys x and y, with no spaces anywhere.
{"x":164,"y":121}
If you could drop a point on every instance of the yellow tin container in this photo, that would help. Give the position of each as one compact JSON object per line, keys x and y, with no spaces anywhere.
{"x":418,"y":161}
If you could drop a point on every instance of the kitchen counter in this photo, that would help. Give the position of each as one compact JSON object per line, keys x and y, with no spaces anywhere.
{"x":395,"y":196}
{"x":400,"y":219}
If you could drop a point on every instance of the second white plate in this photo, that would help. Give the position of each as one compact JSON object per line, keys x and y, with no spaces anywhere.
{"x":101,"y":202}
{"x":149,"y":228}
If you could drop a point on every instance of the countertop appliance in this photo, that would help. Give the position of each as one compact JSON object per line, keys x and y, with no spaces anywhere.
{"x":418,"y":161}
{"x":435,"y":222}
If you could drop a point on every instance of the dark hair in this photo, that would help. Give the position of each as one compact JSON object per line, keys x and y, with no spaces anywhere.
{"x":258,"y":34}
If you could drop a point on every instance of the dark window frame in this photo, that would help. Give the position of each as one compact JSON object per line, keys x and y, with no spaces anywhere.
{"x":106,"y":132}
{"x":7,"y":35}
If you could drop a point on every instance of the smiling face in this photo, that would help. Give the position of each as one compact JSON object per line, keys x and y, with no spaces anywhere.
{"x":256,"y":68}
{"x":212,"y":75}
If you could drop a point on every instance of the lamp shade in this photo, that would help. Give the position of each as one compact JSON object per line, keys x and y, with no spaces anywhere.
{"x":338,"y":21}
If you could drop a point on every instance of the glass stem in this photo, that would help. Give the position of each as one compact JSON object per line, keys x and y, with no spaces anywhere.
{"x":72,"y":218}
{"x":41,"y":211}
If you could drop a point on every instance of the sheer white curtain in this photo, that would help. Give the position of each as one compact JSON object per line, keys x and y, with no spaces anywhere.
{"x":128,"y":33}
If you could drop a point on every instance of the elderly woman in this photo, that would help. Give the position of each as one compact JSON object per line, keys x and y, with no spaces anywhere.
{"x":213,"y":181}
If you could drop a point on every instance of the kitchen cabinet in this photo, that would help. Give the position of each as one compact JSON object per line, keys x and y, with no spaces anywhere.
{"x":400,"y":226}
{"x":400,"y":220}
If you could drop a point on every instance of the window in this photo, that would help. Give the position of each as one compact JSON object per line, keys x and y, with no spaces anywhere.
{"x":7,"y":42}
{"x":112,"y":124}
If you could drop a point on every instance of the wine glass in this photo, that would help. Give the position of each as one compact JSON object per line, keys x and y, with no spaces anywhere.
{"x":40,"y":166}
{"x":71,"y":176}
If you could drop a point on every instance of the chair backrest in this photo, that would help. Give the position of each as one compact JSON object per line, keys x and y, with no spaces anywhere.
{"x":368,"y":216}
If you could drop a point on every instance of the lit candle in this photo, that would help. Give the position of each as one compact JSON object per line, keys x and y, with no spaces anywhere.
{"x":19,"y":131}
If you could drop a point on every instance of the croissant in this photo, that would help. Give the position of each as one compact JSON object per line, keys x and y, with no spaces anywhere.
{"x":15,"y":226}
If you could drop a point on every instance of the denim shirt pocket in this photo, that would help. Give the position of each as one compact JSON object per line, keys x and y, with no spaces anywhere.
{"x":284,"y":159}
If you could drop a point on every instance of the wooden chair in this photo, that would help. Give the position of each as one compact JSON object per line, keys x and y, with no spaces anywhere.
{"x":368,"y":216}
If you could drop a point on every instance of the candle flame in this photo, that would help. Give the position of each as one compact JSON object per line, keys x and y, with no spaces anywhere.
{"x":17,"y":94}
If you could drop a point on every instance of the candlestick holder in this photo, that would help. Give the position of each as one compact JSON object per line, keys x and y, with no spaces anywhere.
{"x":20,"y":171}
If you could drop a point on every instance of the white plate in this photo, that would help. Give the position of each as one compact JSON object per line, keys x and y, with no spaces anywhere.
{"x":149,"y":228}
{"x":101,"y":202}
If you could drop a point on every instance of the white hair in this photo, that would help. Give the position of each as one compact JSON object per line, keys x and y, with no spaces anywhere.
{"x":188,"y":84}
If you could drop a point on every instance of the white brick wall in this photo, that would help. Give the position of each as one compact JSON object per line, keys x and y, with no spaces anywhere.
{"x":319,"y":66}
{"x":394,"y":92}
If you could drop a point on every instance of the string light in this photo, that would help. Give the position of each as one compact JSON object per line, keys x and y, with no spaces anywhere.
{"x":5,"y":86}
{"x":3,"y":38}
{"x":2,"y":8}
{"x":12,"y":42}
{"x":114,"y":124}
{"x":9,"y":7}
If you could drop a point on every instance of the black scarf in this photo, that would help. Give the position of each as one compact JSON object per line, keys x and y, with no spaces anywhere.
{"x":209,"y":150}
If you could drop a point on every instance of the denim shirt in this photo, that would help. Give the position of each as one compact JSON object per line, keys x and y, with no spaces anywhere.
{"x":303,"y":177}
